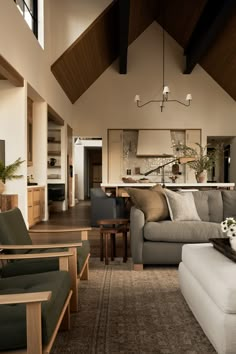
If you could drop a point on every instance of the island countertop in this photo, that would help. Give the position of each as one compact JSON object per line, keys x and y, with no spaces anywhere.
{"x":119,"y":188}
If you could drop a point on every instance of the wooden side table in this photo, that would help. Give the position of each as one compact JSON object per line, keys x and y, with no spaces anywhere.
{"x":8,"y":201}
{"x":110,"y":228}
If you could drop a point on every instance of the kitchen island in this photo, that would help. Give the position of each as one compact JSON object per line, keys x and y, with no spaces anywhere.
{"x":119,"y":189}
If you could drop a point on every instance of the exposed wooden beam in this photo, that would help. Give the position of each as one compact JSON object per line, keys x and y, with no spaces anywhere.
{"x":124,"y":11}
{"x":54,"y":117}
{"x":7,"y":72}
{"x":212,"y":20}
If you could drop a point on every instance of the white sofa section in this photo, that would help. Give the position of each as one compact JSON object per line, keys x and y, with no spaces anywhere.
{"x":208,"y":284}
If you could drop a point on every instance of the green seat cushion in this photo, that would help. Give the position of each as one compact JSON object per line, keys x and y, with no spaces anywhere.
{"x":32,"y":266}
{"x":13,"y":317}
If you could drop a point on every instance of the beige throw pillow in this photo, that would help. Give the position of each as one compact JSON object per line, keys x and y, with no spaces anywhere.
{"x":181,"y":206}
{"x":151,"y":201}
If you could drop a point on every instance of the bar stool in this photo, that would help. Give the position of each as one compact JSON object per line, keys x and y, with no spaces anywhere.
{"x":110,"y":228}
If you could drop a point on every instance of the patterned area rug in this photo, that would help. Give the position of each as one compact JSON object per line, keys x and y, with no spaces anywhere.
{"x":123,"y":311}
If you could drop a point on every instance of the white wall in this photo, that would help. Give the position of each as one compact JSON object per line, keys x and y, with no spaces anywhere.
{"x":13,"y":129}
{"x":68,"y":20}
{"x":21,"y":49}
{"x":109,"y":102}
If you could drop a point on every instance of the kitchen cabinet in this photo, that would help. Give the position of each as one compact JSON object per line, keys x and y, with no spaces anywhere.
{"x":36,"y":205}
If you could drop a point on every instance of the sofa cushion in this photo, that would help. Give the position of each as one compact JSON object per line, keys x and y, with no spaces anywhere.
{"x":151,"y":201}
{"x":215,"y":205}
{"x":181,"y":206}
{"x":13,"y":317}
{"x":181,"y":231}
{"x":201,"y":203}
{"x":214,"y":272}
{"x":229,"y":203}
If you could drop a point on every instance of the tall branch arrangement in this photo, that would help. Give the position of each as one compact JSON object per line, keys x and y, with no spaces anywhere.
{"x":204,"y":158}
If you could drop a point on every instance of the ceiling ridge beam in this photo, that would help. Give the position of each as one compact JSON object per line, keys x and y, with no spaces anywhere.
{"x":216,"y":13}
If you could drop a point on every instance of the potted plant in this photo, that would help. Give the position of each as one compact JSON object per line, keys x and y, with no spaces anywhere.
{"x":204,"y":158}
{"x":9,"y":172}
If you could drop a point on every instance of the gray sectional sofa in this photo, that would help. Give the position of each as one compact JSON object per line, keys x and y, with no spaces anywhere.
{"x":160,"y":242}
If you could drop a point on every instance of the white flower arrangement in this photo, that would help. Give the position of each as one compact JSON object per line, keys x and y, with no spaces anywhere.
{"x":228,"y":226}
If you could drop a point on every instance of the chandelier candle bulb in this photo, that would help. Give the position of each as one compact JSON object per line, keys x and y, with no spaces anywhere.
{"x":136,"y":98}
{"x":166,"y":90}
{"x":189,"y":97}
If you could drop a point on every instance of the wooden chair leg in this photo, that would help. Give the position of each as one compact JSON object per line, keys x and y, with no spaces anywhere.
{"x":106,"y":248}
{"x":113,"y":249}
{"x":101,"y":246}
{"x":34,"y":328}
{"x":65,"y":323}
{"x":114,"y":244}
{"x":84,"y":275}
{"x":125,"y":246}
{"x":74,"y":282}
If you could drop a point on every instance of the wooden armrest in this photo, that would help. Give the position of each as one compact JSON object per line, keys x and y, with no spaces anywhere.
{"x":78,"y":229}
{"x":82,"y":230}
{"x":44,"y":246}
{"x":35,"y":255}
{"x":23,"y":298}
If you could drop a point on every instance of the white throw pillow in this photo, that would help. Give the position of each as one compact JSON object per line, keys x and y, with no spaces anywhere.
{"x":181,"y":206}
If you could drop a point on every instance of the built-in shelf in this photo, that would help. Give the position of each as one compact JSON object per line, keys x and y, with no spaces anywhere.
{"x":58,"y":166}
{"x":54,"y":141}
{"x":54,"y":153}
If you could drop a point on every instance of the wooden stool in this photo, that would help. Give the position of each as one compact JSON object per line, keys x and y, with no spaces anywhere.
{"x":110,"y":228}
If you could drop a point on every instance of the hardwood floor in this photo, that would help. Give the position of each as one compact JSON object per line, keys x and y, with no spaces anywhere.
{"x":78,"y":216}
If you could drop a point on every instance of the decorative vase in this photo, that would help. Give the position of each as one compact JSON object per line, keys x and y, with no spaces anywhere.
{"x":2,"y":186}
{"x":201,"y":177}
{"x":52,"y":161}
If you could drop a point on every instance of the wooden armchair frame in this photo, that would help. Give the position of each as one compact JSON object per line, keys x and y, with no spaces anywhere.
{"x":33,"y":303}
{"x":84,"y":273}
{"x":72,"y":261}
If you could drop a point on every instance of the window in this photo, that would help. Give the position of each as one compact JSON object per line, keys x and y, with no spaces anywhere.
{"x":29,"y":10}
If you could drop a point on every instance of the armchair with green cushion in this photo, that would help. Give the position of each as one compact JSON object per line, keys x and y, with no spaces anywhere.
{"x":41,"y":305}
{"x":15,"y":239}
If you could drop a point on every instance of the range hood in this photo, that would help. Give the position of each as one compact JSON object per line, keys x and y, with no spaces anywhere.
{"x":153,"y":142}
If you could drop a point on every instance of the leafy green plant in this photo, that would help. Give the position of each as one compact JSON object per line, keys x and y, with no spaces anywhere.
{"x":205,"y":158}
{"x":9,"y":172}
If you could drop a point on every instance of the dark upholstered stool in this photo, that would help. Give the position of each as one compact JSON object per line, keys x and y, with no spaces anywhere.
{"x":110,"y":228}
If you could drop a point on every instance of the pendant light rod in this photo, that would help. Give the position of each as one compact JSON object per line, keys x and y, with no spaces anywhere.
{"x":165,"y":88}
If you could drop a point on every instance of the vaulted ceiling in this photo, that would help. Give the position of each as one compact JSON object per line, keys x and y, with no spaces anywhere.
{"x":206,"y":29}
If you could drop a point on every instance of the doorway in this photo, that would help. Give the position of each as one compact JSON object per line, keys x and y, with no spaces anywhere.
{"x":94,"y":168}
{"x":224,"y":169}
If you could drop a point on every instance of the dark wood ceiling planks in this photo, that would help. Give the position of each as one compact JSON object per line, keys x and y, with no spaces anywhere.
{"x":92,"y":53}
{"x":220,"y":61}
{"x":180,"y":17}
{"x":87,"y":58}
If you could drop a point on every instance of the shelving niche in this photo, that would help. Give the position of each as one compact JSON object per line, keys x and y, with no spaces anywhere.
{"x":54,"y":154}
